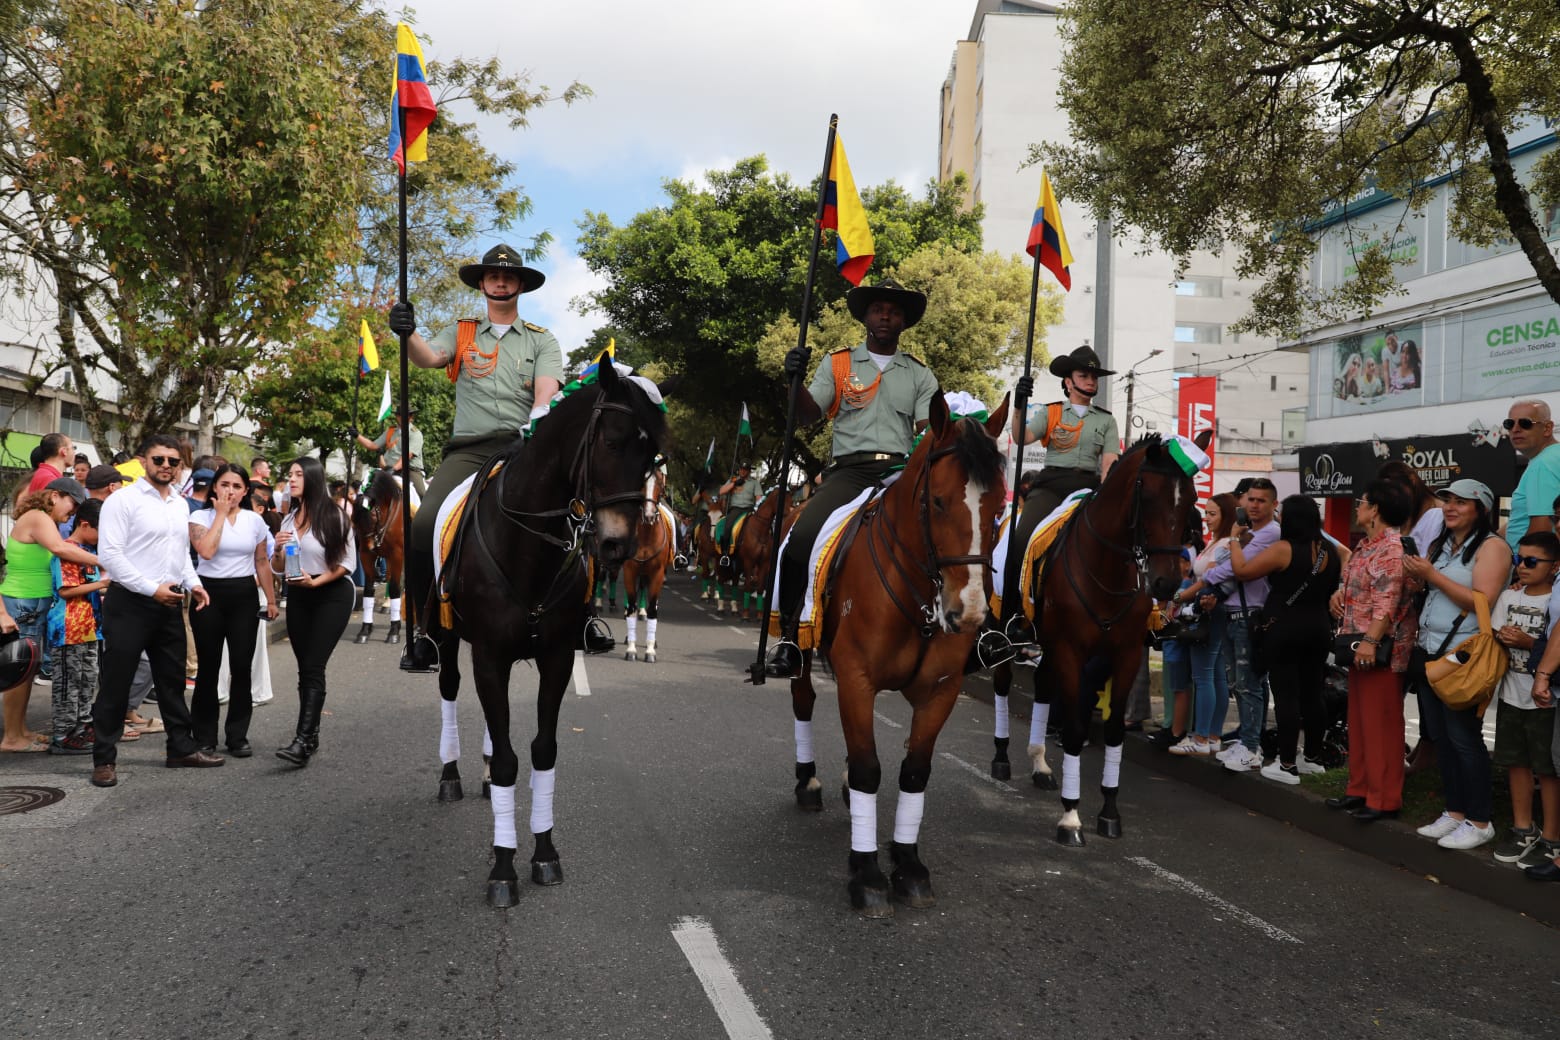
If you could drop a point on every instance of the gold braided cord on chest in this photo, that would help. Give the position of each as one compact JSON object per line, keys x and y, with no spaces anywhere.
{"x":858,"y":396}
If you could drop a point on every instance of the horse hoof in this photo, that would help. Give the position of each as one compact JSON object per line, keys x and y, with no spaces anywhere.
{"x":450,"y":791}
{"x":628,"y":655}
{"x":809,"y":795}
{"x":503,"y":894}
{"x":1001,"y":769}
{"x":870,"y":900}
{"x":363,"y":634}
{"x":549,"y":872}
{"x":1044,"y":781}
{"x":1107,"y":828}
{"x":649,"y":659}
{"x":914,"y":892}
{"x":1069,"y":837}
{"x":393,"y":638}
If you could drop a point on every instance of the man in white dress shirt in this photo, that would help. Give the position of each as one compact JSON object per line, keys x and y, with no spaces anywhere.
{"x":146,"y":555}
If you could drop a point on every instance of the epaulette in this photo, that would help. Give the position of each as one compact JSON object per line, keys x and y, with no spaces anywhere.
{"x":842,"y":350}
{"x":912,"y":357}
{"x":533,"y":328}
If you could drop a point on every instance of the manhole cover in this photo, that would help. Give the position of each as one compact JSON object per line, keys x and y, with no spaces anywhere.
{"x":14,"y":800}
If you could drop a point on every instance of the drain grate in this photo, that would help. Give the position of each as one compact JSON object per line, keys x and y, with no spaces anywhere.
{"x":15,"y":800}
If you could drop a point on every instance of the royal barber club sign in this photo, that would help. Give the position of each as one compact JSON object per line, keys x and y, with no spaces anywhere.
{"x":1343,"y":470}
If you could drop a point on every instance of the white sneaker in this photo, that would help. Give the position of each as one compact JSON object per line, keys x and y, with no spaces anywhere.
{"x":1224,"y":755}
{"x":1440,"y":827}
{"x":1467,"y":836}
{"x":1274,"y":771}
{"x":1240,"y":760}
{"x":1308,"y":768}
{"x":1186,"y":746}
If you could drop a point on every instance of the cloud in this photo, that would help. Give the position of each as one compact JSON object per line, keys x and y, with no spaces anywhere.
{"x":568,"y":280}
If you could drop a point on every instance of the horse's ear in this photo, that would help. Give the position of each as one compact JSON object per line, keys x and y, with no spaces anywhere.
{"x":607,"y":375}
{"x":998,"y":421}
{"x":1202,"y":440}
{"x":669,"y":385}
{"x":937,"y":415}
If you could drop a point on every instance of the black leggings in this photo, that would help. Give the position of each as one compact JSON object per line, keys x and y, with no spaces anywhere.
{"x":316,"y":618}
{"x":1295,"y":654}
{"x":231,"y":619}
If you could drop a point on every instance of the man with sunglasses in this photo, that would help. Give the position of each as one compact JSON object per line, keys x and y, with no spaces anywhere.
{"x":145,"y":551}
{"x":1532,"y":433}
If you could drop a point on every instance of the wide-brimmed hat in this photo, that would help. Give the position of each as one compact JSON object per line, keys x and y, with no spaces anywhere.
{"x":889,"y":291}
{"x":502,"y":258}
{"x":1471,"y":490}
{"x":1083,"y":358}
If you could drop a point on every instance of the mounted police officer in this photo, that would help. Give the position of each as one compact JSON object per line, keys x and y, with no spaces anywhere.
{"x":391,"y":457}
{"x":878,"y":397}
{"x":503,"y":368}
{"x":740,"y":494}
{"x":1081,"y":444}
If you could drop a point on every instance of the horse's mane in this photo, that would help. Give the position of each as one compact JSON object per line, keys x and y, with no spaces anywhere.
{"x":649,"y":417}
{"x":977,"y":452}
{"x":384,"y":487}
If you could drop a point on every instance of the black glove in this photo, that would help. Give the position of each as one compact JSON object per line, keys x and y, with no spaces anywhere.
{"x":352,"y":433}
{"x":796,"y":361}
{"x":402,"y":319}
{"x":1026,"y":387}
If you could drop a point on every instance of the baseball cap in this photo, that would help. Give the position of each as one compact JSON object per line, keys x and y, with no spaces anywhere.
{"x":68,"y":486}
{"x":99,"y":477}
{"x":1472,"y":490}
{"x":202,"y":478}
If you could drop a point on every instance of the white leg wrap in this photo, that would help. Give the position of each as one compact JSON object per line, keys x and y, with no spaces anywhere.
{"x":907,"y":817}
{"x":633,"y":627}
{"x":543,"y":781}
{"x":487,"y":741}
{"x":449,"y":733}
{"x":1071,"y":776}
{"x":650,"y":632}
{"x":804,"y":747}
{"x":1112,"y":774}
{"x":863,"y":821}
{"x":503,"y":816}
{"x":1038,"y":720}
{"x":395,"y":609}
{"x":368,"y":610}
{"x":999,"y":705}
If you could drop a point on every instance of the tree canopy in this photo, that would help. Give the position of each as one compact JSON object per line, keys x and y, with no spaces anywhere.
{"x":1241,"y":121}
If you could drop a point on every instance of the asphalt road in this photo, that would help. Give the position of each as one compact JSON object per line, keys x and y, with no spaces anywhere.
{"x":342,"y":900}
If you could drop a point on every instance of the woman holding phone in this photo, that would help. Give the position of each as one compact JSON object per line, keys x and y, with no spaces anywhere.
{"x":230,"y":540}
{"x":320,"y":592}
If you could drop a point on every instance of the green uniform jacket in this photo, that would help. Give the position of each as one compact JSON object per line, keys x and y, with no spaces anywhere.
{"x":1098,"y":437}
{"x":388,"y":444}
{"x":501,"y":401}
{"x":887,"y":423}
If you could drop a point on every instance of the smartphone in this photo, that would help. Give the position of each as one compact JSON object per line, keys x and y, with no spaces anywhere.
{"x":264,"y":614}
{"x":178,"y":590}
{"x":1409,"y":548}
{"x":1241,"y":517}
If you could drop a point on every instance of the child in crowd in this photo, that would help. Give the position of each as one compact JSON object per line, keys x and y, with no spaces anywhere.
{"x":73,"y":634}
{"x":1523,"y":730}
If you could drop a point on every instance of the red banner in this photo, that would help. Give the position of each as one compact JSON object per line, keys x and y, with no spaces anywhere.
{"x":1194,"y":414}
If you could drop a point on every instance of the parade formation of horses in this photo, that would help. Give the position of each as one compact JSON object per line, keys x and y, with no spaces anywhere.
{"x":379,"y":531}
{"x":644,"y":573}
{"x":520,"y":576}
{"x":741,"y":574}
{"x":1116,"y":554}
{"x":906,"y":604}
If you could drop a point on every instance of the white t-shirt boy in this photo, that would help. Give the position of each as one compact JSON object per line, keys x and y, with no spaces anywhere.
{"x":1530,"y":614}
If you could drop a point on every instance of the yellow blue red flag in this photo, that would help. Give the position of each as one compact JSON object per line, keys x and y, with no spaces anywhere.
{"x":410,"y":96}
{"x":842,"y":211}
{"x":368,"y":354}
{"x":1047,"y":240}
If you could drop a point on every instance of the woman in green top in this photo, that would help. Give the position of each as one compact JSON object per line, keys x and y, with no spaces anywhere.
{"x":27,"y":590}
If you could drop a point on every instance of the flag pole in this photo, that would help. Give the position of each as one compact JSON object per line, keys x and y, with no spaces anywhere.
{"x":1020,"y":416}
{"x":756,"y":669}
{"x":413,"y":610}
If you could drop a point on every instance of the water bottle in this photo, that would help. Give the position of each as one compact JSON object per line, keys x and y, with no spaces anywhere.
{"x":294,"y":565}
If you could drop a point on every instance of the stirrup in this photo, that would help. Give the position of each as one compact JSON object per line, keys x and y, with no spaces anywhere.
{"x":993,"y":649}
{"x":680,"y":562}
{"x":421,"y":653}
{"x":780,"y":665}
{"x":1019,"y":629}
{"x":596,"y":637}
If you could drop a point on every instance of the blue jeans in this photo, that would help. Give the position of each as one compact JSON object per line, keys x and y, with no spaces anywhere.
{"x":1250,"y":692}
{"x":32,"y":618}
{"x":1211,"y":696}
{"x":1461,"y":754}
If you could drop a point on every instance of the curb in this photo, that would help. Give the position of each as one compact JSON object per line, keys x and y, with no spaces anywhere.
{"x":1392,"y":842}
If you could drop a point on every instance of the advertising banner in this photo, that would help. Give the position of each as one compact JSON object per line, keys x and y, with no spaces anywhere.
{"x":1511,"y":352}
{"x":1381,"y":368}
{"x":1343,"y":470}
{"x":1196,"y":413}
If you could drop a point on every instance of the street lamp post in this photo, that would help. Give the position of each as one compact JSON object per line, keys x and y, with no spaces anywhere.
{"x":1131,"y":385}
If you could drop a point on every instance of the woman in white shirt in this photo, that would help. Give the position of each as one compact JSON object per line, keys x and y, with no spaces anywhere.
{"x":320,"y":593}
{"x":231,"y":543}
{"x":1210,"y":684}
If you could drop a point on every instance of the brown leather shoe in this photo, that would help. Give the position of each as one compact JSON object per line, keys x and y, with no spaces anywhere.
{"x":196,"y":760}
{"x":104,"y":776}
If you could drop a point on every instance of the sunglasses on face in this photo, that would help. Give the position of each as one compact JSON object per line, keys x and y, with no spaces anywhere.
{"x":1525,"y":423}
{"x":1530,"y":561}
{"x":163,"y":460}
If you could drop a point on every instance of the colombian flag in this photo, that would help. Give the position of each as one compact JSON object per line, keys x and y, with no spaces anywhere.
{"x":1047,"y":240}
{"x":368,"y":354}
{"x":843,"y":212}
{"x":410,"y":95}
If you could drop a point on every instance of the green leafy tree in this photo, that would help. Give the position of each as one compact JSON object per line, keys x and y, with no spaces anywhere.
{"x":1242,"y":120}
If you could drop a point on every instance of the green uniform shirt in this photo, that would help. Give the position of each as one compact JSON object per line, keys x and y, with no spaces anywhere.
{"x":1098,"y":437}
{"x":887,"y":423}
{"x":501,"y":401}
{"x":388,"y":444}
{"x":746,"y":496}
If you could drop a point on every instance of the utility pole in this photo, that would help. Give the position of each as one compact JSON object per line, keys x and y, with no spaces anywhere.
{"x":1131,"y":383}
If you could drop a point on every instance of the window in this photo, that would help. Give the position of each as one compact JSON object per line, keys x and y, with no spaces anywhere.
{"x":1196,"y":332}
{"x":22,"y":413}
{"x":1200,"y":285}
{"x":73,"y":423}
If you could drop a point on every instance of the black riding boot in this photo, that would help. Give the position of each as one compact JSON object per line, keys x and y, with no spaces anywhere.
{"x":785,"y":660}
{"x":421,"y":654}
{"x":306,"y":741}
{"x":596,"y":637}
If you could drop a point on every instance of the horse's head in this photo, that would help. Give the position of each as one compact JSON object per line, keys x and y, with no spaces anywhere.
{"x":627,"y":432}
{"x":961,"y":492}
{"x":655,"y":484}
{"x":1164,"y":494}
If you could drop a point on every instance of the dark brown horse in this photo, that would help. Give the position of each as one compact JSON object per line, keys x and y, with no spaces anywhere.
{"x":753,"y":551}
{"x":907,"y":604}
{"x":377,"y":527}
{"x":644,"y":573}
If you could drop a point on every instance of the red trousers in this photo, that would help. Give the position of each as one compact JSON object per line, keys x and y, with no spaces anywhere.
{"x":1376,"y":737}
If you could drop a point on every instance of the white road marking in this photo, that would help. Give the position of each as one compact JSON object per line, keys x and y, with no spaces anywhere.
{"x":731,"y":1003}
{"x":738,"y":631}
{"x":1271,"y":931}
{"x":885,"y":720}
{"x":581,"y":683}
{"x":998,"y":784}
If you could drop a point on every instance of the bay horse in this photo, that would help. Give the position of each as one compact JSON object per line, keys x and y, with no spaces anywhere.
{"x":518,"y":587}
{"x":644,"y":573}
{"x":379,"y":531}
{"x":1117,"y":553}
{"x":706,"y":552}
{"x":753,"y":551}
{"x":907,"y":603}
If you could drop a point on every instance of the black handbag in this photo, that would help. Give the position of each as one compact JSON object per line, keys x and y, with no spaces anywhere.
{"x":1345,"y":645}
{"x":1196,"y":629}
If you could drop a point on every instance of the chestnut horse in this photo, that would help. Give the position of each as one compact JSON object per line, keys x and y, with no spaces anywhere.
{"x":753,"y":551}
{"x":1116,"y":554}
{"x":907,"y":603}
{"x":378,"y":530}
{"x":645,"y":572}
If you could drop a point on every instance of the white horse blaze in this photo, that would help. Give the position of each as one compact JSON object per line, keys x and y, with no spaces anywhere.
{"x":972,"y":596}
{"x":650,"y":513}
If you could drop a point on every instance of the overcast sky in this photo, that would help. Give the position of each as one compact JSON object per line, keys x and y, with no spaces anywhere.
{"x":690,"y":85}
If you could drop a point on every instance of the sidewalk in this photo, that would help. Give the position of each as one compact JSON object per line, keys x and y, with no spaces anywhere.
{"x":1390,"y":841}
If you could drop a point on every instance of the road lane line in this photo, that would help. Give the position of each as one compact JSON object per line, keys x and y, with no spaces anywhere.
{"x":885,"y":720}
{"x":993,"y":781}
{"x":738,"y":631}
{"x":731,"y":1003}
{"x":1271,"y":931}
{"x":581,"y":684}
